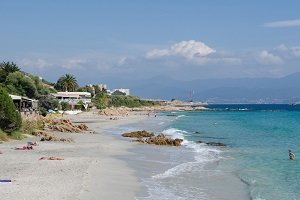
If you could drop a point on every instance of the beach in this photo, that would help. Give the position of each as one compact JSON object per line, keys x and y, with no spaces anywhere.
{"x":90,"y":169}
{"x":105,"y":165}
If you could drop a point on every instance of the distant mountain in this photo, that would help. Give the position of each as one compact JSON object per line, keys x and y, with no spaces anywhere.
{"x":242,"y":90}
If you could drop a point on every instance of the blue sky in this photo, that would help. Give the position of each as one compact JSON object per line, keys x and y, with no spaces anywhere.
{"x":138,"y":39}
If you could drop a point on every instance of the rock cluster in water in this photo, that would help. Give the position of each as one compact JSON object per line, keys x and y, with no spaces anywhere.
{"x":150,"y":138}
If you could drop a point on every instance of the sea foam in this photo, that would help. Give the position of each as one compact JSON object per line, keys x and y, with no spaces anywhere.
{"x":203,"y":155}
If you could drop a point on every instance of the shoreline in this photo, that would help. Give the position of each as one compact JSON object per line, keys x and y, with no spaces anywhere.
{"x":89,"y":169}
{"x":105,"y":165}
{"x":158,"y":167}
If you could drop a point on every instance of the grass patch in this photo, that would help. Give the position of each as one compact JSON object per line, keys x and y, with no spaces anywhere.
{"x":29,"y":126}
{"x":16,"y":135}
{"x":3,"y":136}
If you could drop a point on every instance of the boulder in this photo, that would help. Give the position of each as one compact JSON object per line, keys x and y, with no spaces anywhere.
{"x":138,"y":134}
{"x":160,"y":139}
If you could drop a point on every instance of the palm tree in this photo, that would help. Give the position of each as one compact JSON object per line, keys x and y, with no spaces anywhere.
{"x":67,"y":82}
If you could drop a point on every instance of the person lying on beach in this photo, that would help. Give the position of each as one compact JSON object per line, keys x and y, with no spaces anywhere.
{"x":292,"y":155}
{"x":28,"y":147}
{"x":50,"y":158}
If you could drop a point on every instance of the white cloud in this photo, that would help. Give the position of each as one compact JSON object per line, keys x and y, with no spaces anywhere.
{"x":282,"y":47}
{"x":293,"y":51}
{"x":296,"y":51}
{"x":188,"y":49}
{"x":31,"y":62}
{"x":122,"y":60}
{"x":73,"y":63}
{"x":266,"y":57}
{"x":281,"y":24}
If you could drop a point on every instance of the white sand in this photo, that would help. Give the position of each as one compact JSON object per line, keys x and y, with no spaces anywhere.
{"x":89,"y":171}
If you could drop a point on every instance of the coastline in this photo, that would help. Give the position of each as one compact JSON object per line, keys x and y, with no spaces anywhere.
{"x":106,"y":166}
{"x":89,"y":170}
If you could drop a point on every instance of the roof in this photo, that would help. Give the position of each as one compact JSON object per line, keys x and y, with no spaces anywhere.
{"x":71,"y":94}
{"x":15,"y":97}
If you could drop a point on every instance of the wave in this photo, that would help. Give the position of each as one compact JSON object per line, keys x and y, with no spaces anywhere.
{"x":203,"y":155}
{"x":175,"y":133}
{"x":180,"y":116}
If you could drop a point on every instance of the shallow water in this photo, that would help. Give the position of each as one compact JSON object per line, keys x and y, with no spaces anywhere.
{"x":255,"y":164}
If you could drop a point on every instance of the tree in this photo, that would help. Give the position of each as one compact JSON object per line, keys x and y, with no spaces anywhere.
{"x":101,"y":100}
{"x":10,"y":118}
{"x":46,"y":103}
{"x":65,"y":106}
{"x":19,"y":84}
{"x":67,"y":82}
{"x":6,"y":68}
{"x":118,"y":93}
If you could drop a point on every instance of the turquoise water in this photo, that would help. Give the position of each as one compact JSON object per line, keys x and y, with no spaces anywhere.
{"x":258,"y":143}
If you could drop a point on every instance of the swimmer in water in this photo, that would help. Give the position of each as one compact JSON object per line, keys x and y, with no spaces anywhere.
{"x":292,"y":155}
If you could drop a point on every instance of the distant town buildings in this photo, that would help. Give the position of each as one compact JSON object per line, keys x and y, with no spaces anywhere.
{"x":96,"y":88}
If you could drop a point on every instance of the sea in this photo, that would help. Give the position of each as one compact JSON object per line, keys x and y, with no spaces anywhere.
{"x":254,"y":164}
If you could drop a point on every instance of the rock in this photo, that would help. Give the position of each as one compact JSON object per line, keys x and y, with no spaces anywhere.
{"x":219,"y":144}
{"x":63,"y":125}
{"x":138,"y":134}
{"x":160,"y":139}
{"x":216,"y":144}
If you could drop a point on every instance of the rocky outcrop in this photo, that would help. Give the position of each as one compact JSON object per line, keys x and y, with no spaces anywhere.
{"x":218,"y":144}
{"x":160,"y":139}
{"x":63,"y":125}
{"x":138,"y":134}
{"x":150,"y":138}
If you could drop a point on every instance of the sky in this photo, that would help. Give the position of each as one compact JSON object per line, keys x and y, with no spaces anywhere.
{"x":108,"y":41}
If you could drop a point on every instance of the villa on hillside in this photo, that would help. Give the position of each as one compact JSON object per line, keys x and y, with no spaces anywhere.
{"x":73,"y":98}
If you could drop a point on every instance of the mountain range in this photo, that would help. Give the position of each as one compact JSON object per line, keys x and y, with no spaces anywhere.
{"x":239,"y":90}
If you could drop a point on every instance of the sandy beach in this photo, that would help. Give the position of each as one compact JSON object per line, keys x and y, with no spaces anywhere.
{"x":90,"y":169}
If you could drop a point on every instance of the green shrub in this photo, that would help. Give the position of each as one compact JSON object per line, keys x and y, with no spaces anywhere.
{"x":10,"y":118}
{"x":65,"y":106}
{"x":46,"y":103}
{"x":129,"y":101}
{"x":3,"y":136}
{"x":16,"y":135}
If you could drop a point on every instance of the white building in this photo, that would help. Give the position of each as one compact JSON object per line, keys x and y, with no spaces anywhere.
{"x":73,"y":97}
